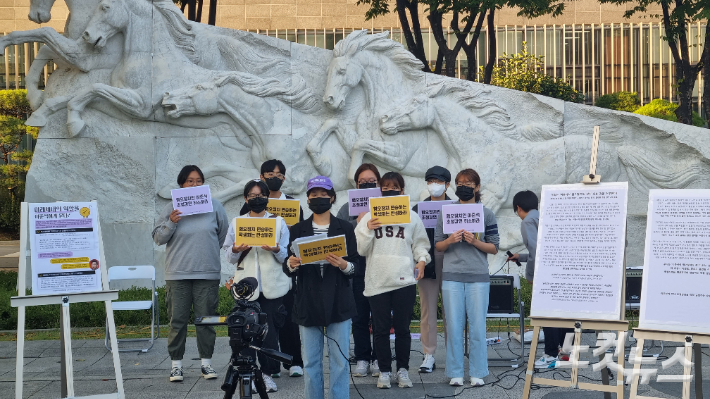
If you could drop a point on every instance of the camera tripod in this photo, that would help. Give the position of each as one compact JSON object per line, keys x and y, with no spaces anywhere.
{"x":241,"y":372}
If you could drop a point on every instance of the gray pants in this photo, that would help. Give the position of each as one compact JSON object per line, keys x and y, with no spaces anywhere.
{"x":429,"y":290}
{"x":180,"y":297}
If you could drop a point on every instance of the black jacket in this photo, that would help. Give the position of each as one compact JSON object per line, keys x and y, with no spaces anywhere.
{"x":321,"y":301}
{"x":430,"y":269}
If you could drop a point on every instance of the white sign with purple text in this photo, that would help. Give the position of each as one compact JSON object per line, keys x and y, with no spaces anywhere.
{"x":192,"y":200}
{"x":468,"y":217}
{"x":429,"y":212}
{"x":359,"y":200}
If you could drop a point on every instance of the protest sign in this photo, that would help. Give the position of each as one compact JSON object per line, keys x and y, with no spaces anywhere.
{"x":429,"y":212}
{"x":192,"y":200}
{"x":468,"y":217}
{"x":390,"y":210}
{"x":316,"y":251}
{"x":256,"y":232}
{"x":65,"y":248}
{"x":289,"y":209}
{"x":359,"y":200}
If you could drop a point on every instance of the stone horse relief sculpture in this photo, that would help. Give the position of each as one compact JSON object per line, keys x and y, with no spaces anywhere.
{"x":143,"y":91}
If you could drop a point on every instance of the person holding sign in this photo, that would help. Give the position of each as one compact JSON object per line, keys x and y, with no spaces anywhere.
{"x":265,"y":264}
{"x":192,"y":272}
{"x":390,"y":280}
{"x":324,"y":300}
{"x":366,"y":176}
{"x":437,"y":179}
{"x":466,"y":284}
{"x":273,"y":173}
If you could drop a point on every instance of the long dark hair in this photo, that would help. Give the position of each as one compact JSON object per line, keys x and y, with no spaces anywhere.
{"x":185,"y":172}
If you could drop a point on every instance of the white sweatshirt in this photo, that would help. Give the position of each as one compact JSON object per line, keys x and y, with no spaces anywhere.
{"x":391,"y":252}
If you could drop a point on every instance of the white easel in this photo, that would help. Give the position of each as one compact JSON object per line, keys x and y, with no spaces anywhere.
{"x":21,"y":301}
{"x":621,"y":326}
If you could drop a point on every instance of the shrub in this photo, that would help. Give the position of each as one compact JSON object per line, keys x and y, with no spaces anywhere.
{"x":664,"y":109}
{"x":620,"y":101}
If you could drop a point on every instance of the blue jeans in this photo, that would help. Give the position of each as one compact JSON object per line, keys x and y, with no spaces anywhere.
{"x":462,"y":300}
{"x":312,"y":353}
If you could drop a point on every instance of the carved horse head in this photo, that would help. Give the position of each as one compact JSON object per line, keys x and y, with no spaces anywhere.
{"x":412,"y":115}
{"x":41,"y":11}
{"x":199,"y":99}
{"x":111,"y":17}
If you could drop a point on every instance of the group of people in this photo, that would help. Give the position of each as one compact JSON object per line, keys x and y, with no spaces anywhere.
{"x":372,"y":288}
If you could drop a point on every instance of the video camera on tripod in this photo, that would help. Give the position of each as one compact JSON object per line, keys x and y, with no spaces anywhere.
{"x":245,"y":323}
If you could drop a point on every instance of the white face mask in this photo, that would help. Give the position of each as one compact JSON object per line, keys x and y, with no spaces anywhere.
{"x":436,"y":189}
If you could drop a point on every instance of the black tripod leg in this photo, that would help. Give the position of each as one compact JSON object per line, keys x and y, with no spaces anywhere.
{"x":230,"y":383}
{"x":260,"y":386}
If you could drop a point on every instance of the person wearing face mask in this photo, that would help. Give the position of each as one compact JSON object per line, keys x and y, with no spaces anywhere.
{"x":265,"y":264}
{"x":466,"y":284}
{"x":273,"y":173}
{"x":324,"y":300}
{"x":437,"y":180}
{"x":366,"y":176}
{"x":192,"y":272}
{"x":390,"y":281}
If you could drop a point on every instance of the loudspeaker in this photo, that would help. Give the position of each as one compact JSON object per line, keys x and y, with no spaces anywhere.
{"x":500,"y":298}
{"x":633,"y":285}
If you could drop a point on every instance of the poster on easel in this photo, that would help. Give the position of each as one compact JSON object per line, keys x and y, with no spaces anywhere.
{"x":676,"y":271}
{"x":65,"y":248}
{"x":580,"y":251}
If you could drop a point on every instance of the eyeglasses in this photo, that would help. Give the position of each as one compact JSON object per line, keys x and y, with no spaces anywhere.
{"x":269,"y":175}
{"x":252,"y":196}
{"x":472,"y":185}
{"x":367,"y":181}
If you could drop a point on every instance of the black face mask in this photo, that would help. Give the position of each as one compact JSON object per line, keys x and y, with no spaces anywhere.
{"x":367,"y":185}
{"x":390,"y":193}
{"x":274,"y":183}
{"x":319,"y":205}
{"x":465,"y":193}
{"x":257,"y":205}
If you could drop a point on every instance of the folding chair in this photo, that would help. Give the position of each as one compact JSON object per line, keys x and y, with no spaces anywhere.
{"x":136,"y":273}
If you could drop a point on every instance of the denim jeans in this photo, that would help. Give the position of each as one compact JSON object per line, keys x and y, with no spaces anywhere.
{"x":312,"y":353}
{"x":463,"y":300}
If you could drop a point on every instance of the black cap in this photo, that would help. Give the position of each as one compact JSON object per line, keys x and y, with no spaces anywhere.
{"x":438,"y":172}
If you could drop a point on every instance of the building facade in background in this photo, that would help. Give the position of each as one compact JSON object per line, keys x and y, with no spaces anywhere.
{"x":599,"y":50}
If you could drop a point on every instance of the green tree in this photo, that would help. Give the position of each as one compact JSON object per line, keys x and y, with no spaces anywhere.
{"x":664,"y":109}
{"x":677,"y":17}
{"x":620,"y":101}
{"x":14,"y":109}
{"x":467,"y":18}
{"x":524,"y":72}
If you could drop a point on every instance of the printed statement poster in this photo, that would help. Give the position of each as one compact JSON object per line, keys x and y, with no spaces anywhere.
{"x":580,"y":251}
{"x":255,"y":232}
{"x":192,"y":200}
{"x":288,"y":209}
{"x":676,"y":273}
{"x":65,"y":248}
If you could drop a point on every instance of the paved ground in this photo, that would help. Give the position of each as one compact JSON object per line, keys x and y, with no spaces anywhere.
{"x":9,"y":254}
{"x":146,"y":375}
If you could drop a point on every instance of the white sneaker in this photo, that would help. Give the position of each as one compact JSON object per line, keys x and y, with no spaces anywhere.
{"x":428,"y":365}
{"x":375,"y":369}
{"x":546,"y":362}
{"x":361,"y":369}
{"x":456,"y":382}
{"x":477,"y":382}
{"x":384,"y":381}
{"x":295,"y":371}
{"x":270,"y":384}
{"x":403,"y":378}
{"x":176,"y":374}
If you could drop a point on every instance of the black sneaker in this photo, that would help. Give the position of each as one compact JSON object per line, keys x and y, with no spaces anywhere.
{"x":209,"y":373}
{"x":176,"y":374}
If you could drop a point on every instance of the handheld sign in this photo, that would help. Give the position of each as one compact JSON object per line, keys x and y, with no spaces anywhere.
{"x":391,"y":210}
{"x":289,"y":209}
{"x":358,"y":200}
{"x":316,"y":251}
{"x":429,"y":212}
{"x":192,"y":200}
{"x":467,"y":217}
{"x":65,"y":248}
{"x":255,"y":232}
